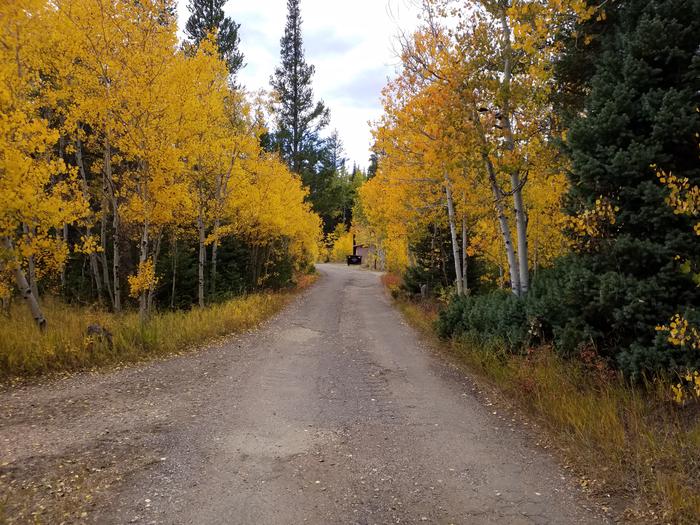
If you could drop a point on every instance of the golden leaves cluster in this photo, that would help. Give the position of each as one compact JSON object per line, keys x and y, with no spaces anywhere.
{"x":171,"y":141}
{"x":442,"y":119}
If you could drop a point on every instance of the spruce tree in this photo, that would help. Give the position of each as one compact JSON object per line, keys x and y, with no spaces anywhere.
{"x":373,"y":165}
{"x":207,"y":16}
{"x":640,"y":110}
{"x":299,"y":118}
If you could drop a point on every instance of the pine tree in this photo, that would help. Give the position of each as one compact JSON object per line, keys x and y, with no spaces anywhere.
{"x":640,"y":111}
{"x":373,"y":165}
{"x":207,"y":16}
{"x":299,"y":118}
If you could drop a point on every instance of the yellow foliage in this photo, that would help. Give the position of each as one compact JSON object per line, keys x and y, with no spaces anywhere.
{"x":684,"y":198}
{"x":38,"y":191}
{"x":591,"y":223}
{"x":144,"y":280}
{"x":88,"y":244}
{"x":684,"y":335}
{"x":442,"y":126}
{"x":178,"y":146}
{"x":342,"y":247}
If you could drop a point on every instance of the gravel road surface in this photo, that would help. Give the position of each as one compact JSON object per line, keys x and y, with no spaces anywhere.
{"x":333,"y":412}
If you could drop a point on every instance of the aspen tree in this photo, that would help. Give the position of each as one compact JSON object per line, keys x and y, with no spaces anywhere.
{"x":38,"y":193}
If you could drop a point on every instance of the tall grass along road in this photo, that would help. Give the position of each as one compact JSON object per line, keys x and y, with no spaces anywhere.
{"x":334,"y":412}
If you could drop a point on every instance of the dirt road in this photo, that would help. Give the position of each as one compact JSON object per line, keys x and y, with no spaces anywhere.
{"x":334,"y":412}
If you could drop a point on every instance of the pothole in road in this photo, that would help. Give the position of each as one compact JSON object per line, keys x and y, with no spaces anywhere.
{"x":300,"y":335}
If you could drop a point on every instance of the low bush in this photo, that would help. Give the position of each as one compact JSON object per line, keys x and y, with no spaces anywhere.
{"x":577,"y":311}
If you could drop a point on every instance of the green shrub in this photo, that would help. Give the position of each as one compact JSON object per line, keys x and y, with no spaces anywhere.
{"x":495,"y":317}
{"x":576,"y":309}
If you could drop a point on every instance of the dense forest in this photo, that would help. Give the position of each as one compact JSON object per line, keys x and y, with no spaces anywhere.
{"x":549,"y":149}
{"x":138,"y":172}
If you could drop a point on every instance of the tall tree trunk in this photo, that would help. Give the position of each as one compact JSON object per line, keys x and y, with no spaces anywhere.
{"x":116,"y":227}
{"x":521,"y":231}
{"x":95,"y":270}
{"x":103,"y":254}
{"x":515,"y":179}
{"x":505,"y":230}
{"x":143,"y":257}
{"x":498,"y":198}
{"x":94,"y":264}
{"x":25,"y":289}
{"x":214,"y":254}
{"x":202,"y":257}
{"x":172,"y":292}
{"x":31,"y":265}
{"x":64,"y":240}
{"x":453,"y":232}
{"x":221,"y":193}
{"x":152,"y":289}
{"x":465,"y":285}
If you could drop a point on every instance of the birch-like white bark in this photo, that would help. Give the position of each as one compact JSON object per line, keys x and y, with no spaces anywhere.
{"x":116,"y":226}
{"x":25,"y":289}
{"x":94,"y":264}
{"x":515,"y":179}
{"x":143,"y":257}
{"x":202,"y":257}
{"x":453,"y":232}
{"x":465,"y":285}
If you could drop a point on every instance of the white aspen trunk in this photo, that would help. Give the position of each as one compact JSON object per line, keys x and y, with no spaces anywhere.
{"x":94,"y":264}
{"x":453,"y":232}
{"x":103,"y":220}
{"x":31,"y":266}
{"x":116,"y":227}
{"x":143,"y":257}
{"x":515,"y":180}
{"x":64,"y":240}
{"x":152,"y":289}
{"x":465,"y":285}
{"x":221,"y":193}
{"x":172,"y":292}
{"x":214,"y":254}
{"x":25,"y":289}
{"x":103,"y":255}
{"x":202,"y":257}
{"x":505,"y":228}
{"x":500,"y":210}
{"x":521,"y":231}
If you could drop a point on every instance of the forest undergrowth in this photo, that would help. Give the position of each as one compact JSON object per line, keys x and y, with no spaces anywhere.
{"x":633,"y":449}
{"x":84,"y":337}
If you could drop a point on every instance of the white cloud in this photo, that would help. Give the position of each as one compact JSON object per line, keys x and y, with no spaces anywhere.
{"x":351,"y":44}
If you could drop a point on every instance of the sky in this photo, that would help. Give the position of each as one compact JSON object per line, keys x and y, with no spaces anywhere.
{"x":352,"y":44}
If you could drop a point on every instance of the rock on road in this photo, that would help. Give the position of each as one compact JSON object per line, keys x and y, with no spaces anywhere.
{"x":333,"y":412}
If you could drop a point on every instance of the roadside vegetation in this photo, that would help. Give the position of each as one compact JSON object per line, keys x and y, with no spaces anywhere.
{"x":70,"y":345}
{"x":632,"y":449}
{"x":537,"y":201}
{"x":148,"y":202}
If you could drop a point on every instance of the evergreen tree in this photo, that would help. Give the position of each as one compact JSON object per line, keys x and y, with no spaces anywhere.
{"x":299,"y":118}
{"x":207,"y":16}
{"x":640,"y":110}
{"x":373,"y":165}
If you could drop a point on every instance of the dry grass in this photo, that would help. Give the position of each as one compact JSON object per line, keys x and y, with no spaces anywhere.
{"x":628,"y":442}
{"x":66,"y":347}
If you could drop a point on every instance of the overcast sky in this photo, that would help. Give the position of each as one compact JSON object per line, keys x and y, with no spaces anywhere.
{"x":351,"y":43}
